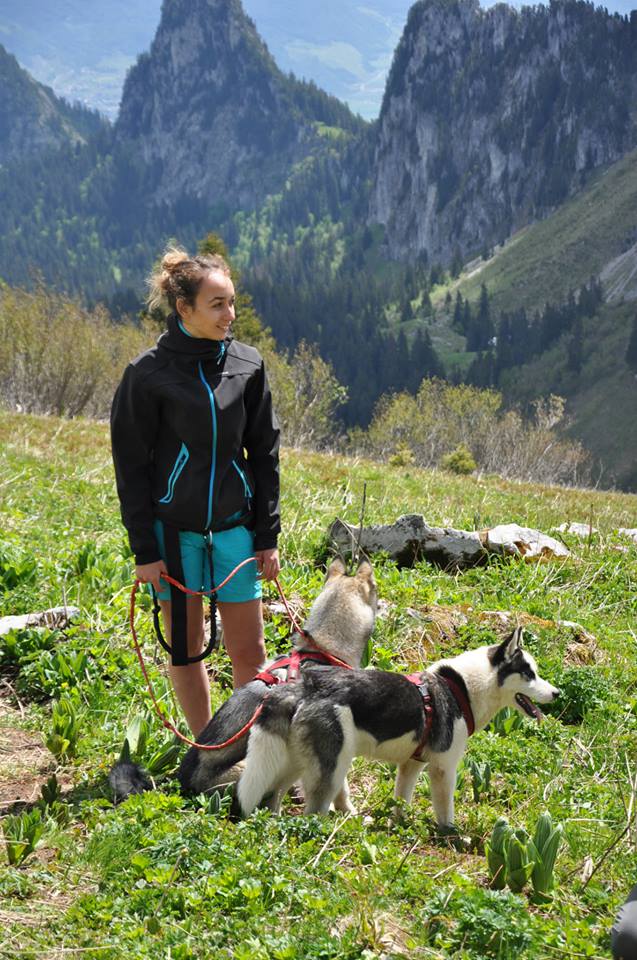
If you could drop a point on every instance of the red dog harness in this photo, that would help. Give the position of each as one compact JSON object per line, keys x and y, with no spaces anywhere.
{"x":421,"y":681}
{"x":292,"y":663}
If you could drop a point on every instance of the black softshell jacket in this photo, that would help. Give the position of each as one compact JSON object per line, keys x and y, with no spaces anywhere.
{"x":195,"y":441}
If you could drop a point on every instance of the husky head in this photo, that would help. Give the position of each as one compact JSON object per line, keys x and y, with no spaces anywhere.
{"x":518,"y":677}
{"x":342,"y":616}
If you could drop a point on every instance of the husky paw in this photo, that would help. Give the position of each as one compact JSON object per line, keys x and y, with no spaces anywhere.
{"x":449,"y":835}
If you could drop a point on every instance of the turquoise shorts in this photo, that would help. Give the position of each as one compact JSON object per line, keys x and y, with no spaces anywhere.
{"x":229,"y":547}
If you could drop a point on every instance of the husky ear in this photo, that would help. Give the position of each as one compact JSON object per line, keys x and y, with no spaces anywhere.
{"x":335,"y":569}
{"x":365,"y":571}
{"x":512,"y":643}
{"x":505,"y":650}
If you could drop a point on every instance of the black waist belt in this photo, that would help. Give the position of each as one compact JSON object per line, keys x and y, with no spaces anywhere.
{"x":178,"y":607}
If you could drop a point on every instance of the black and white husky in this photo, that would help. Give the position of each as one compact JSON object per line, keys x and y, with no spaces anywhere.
{"x":340,"y":624}
{"x":311,"y":731}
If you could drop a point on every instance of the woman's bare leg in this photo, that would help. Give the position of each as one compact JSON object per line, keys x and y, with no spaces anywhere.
{"x":243,"y":638}
{"x":190,"y":683}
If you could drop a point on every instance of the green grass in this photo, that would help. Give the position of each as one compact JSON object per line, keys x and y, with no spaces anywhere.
{"x":162,"y":876}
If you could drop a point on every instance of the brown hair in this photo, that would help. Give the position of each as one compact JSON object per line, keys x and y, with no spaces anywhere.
{"x":179,"y":277}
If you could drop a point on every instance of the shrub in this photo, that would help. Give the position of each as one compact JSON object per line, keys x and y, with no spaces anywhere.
{"x":404,"y":456}
{"x":306,"y":396}
{"x":16,"y":567}
{"x":459,"y":461}
{"x":481,"y":924}
{"x":442,"y":419}
{"x":581,"y":689}
{"x":513,"y":857}
{"x":57,"y":357}
{"x":22,"y":834}
{"x":65,"y":729}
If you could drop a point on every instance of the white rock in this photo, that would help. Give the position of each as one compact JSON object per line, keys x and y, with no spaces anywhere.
{"x":629,"y":532}
{"x":55,"y":617}
{"x":509,"y":538}
{"x":578,"y":529}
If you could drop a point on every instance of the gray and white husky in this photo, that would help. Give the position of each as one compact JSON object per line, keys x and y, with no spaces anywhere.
{"x":340,"y":623}
{"x":311,"y":731}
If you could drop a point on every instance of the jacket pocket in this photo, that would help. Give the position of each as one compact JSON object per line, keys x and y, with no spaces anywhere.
{"x":246,"y":486}
{"x":180,"y":463}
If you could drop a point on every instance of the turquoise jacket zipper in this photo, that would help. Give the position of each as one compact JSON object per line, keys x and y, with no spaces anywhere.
{"x":213,"y":462}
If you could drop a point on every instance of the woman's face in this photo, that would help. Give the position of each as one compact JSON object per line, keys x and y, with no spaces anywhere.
{"x":213,"y":312}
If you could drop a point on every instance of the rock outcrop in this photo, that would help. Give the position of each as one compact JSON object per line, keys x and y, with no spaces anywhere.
{"x":492,"y":117}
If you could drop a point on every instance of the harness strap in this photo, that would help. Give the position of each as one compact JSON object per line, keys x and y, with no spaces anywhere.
{"x":179,"y":616}
{"x":178,"y":649}
{"x":463,"y":702}
{"x":292,"y":663}
{"x":420,"y":680}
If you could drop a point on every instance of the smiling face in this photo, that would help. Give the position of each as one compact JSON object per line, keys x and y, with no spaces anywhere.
{"x":213,"y":312}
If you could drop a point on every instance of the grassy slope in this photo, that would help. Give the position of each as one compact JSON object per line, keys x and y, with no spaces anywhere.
{"x":161,"y":876}
{"x":543,"y":262}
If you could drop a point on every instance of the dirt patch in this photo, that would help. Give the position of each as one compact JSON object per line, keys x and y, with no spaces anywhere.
{"x":25,"y":764}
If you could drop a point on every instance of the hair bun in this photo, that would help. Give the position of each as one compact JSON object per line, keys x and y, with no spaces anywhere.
{"x":173,"y":257}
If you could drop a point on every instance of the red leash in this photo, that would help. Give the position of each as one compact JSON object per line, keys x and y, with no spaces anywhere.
{"x":201,"y":593}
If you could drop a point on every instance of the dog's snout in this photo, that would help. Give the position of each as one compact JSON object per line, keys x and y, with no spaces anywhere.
{"x":556,"y":692}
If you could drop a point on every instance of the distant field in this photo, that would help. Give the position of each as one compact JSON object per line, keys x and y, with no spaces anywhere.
{"x":164,"y":876}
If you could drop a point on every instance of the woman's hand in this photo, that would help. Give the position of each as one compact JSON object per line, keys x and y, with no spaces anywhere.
{"x":150,"y":573}
{"x":268,"y":563}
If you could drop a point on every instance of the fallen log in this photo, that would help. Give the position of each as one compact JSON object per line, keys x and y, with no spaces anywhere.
{"x":410,"y":539}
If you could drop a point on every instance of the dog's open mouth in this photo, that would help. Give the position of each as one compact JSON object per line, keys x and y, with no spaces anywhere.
{"x":529,"y":707}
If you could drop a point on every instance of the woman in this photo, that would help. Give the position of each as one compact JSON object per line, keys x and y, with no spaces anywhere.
{"x":195,"y":447}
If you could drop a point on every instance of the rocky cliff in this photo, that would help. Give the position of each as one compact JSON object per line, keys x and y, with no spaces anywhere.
{"x":491,"y":118}
{"x":210,"y":112}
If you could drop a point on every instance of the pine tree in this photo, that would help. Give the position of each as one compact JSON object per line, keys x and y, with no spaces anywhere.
{"x":458,"y":314}
{"x":247,"y":325}
{"x":631,"y":351}
{"x":576,"y":347}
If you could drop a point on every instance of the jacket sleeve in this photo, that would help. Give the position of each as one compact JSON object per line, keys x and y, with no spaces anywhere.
{"x":261,"y":441}
{"x":134,"y":423}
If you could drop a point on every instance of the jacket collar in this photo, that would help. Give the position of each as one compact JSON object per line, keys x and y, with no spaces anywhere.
{"x":176,"y":341}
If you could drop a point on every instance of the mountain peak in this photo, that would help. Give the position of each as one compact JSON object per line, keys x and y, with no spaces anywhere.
{"x":210,"y":111}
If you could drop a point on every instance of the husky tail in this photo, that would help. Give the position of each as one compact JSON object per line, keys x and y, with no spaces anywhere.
{"x":127,"y":778}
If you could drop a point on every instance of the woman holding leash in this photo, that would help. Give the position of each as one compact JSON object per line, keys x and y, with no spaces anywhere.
{"x":195,"y":447}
